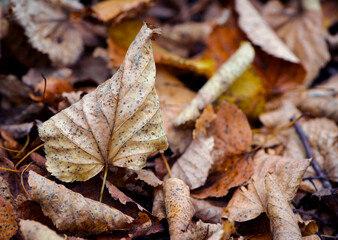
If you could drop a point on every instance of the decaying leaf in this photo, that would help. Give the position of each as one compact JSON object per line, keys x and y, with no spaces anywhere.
{"x":283,"y":222}
{"x":119,"y":9}
{"x":118,"y":124}
{"x":49,"y":29}
{"x":158,"y":203}
{"x":71,"y":211}
{"x":178,"y":206}
{"x":8,"y":226}
{"x":174,"y":96}
{"x":248,"y":203}
{"x":207,"y":211}
{"x":121,"y":35}
{"x":200,"y":230}
{"x":148,"y":177}
{"x":218,"y":84}
{"x":194,"y":165}
{"x":32,"y":230}
{"x":303,"y":33}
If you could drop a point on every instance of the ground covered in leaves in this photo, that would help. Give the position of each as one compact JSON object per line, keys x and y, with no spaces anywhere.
{"x":176,"y":119}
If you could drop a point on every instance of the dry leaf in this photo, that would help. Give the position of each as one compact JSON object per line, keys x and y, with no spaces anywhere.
{"x":302,"y":33}
{"x":158,"y":203}
{"x":71,"y":211}
{"x":283,"y":222}
{"x":248,"y":203}
{"x":8,"y":226}
{"x":32,"y":230}
{"x":200,"y":230}
{"x":207,"y":211}
{"x":118,"y":124}
{"x":148,"y":177}
{"x":49,"y":30}
{"x":116,"y":10}
{"x":218,"y":83}
{"x":174,"y":96}
{"x":121,"y":35}
{"x":178,"y":206}
{"x":193,"y":166}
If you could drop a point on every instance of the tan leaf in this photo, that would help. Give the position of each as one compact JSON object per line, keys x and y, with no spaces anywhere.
{"x":32,"y":230}
{"x":193,"y":166}
{"x":118,"y":124}
{"x":158,"y":203}
{"x":71,"y":211}
{"x":218,"y":83}
{"x":148,"y":177}
{"x":174,"y":96}
{"x":283,"y":222}
{"x":49,"y":30}
{"x":119,"y":9}
{"x":248,"y":203}
{"x":178,"y":206}
{"x":302,"y":33}
{"x":200,"y":230}
{"x":322,"y":135}
{"x":8,"y":226}
{"x":207,"y":211}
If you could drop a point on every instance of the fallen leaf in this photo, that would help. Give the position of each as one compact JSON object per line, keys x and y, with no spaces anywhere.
{"x":207,"y":211}
{"x":178,"y":206}
{"x":71,"y":211}
{"x":193,"y":166}
{"x":8,"y":226}
{"x":5,"y":192}
{"x":32,"y":230}
{"x":158,"y":203}
{"x":148,"y":177}
{"x":200,"y":230}
{"x":302,"y":33}
{"x":118,"y":124}
{"x":174,"y":96}
{"x":121,"y":35}
{"x":218,"y":83}
{"x":19,"y":130}
{"x":248,"y":203}
{"x":117,"y":10}
{"x":59,"y":39}
{"x":283,"y":222}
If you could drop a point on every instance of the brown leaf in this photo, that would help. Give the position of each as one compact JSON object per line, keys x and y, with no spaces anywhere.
{"x":283,"y":222}
{"x":218,"y":83}
{"x":302,"y":33}
{"x":118,"y":124}
{"x":158,"y":203}
{"x":116,"y":10}
{"x":174,"y":96}
{"x":32,"y":230}
{"x":200,"y":230}
{"x":207,"y":210}
{"x":148,"y":177}
{"x":248,"y":203}
{"x":8,"y":226}
{"x":178,"y":206}
{"x":193,"y":166}
{"x":71,"y":211}
{"x":59,"y":39}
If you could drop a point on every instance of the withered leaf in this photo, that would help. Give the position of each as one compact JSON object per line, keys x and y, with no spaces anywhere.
{"x":193,"y":166}
{"x":8,"y":226}
{"x":200,"y":230}
{"x":71,"y":211}
{"x":49,"y":30}
{"x":283,"y":222}
{"x":32,"y":230}
{"x":178,"y":206}
{"x":118,"y":124}
{"x":248,"y":203}
{"x":218,"y":83}
{"x":207,"y":211}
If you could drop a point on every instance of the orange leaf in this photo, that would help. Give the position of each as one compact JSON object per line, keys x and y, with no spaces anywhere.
{"x":8,"y":226}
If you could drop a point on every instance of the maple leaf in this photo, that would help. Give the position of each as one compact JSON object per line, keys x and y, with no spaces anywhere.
{"x":62,"y":204}
{"x":32,"y":230}
{"x":118,"y":124}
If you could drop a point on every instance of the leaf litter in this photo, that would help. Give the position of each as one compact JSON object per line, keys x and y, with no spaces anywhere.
{"x":237,"y":166}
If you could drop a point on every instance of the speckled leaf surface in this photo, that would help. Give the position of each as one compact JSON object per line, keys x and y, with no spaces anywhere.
{"x":118,"y":124}
{"x":8,"y":225}
{"x":71,"y":211}
{"x":32,"y":230}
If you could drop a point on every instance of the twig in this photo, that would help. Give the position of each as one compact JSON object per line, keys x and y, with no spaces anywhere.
{"x":22,"y":159}
{"x":166,"y":164}
{"x":309,"y":154}
{"x":315,"y":216}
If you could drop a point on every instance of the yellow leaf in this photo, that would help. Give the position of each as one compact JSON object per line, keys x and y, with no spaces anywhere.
{"x":71,"y":211}
{"x":118,"y":124}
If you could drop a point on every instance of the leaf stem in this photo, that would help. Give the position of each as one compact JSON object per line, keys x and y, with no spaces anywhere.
{"x":104,"y":180}
{"x":8,"y":169}
{"x":21,"y":179}
{"x":309,"y":154}
{"x":22,"y":159}
{"x":166,"y":164}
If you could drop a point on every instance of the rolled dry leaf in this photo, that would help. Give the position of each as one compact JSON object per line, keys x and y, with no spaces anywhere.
{"x":218,"y":83}
{"x":32,"y":230}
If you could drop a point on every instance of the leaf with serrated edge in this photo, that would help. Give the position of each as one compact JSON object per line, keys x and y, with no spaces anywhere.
{"x":71,"y":211}
{"x":118,"y":124}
